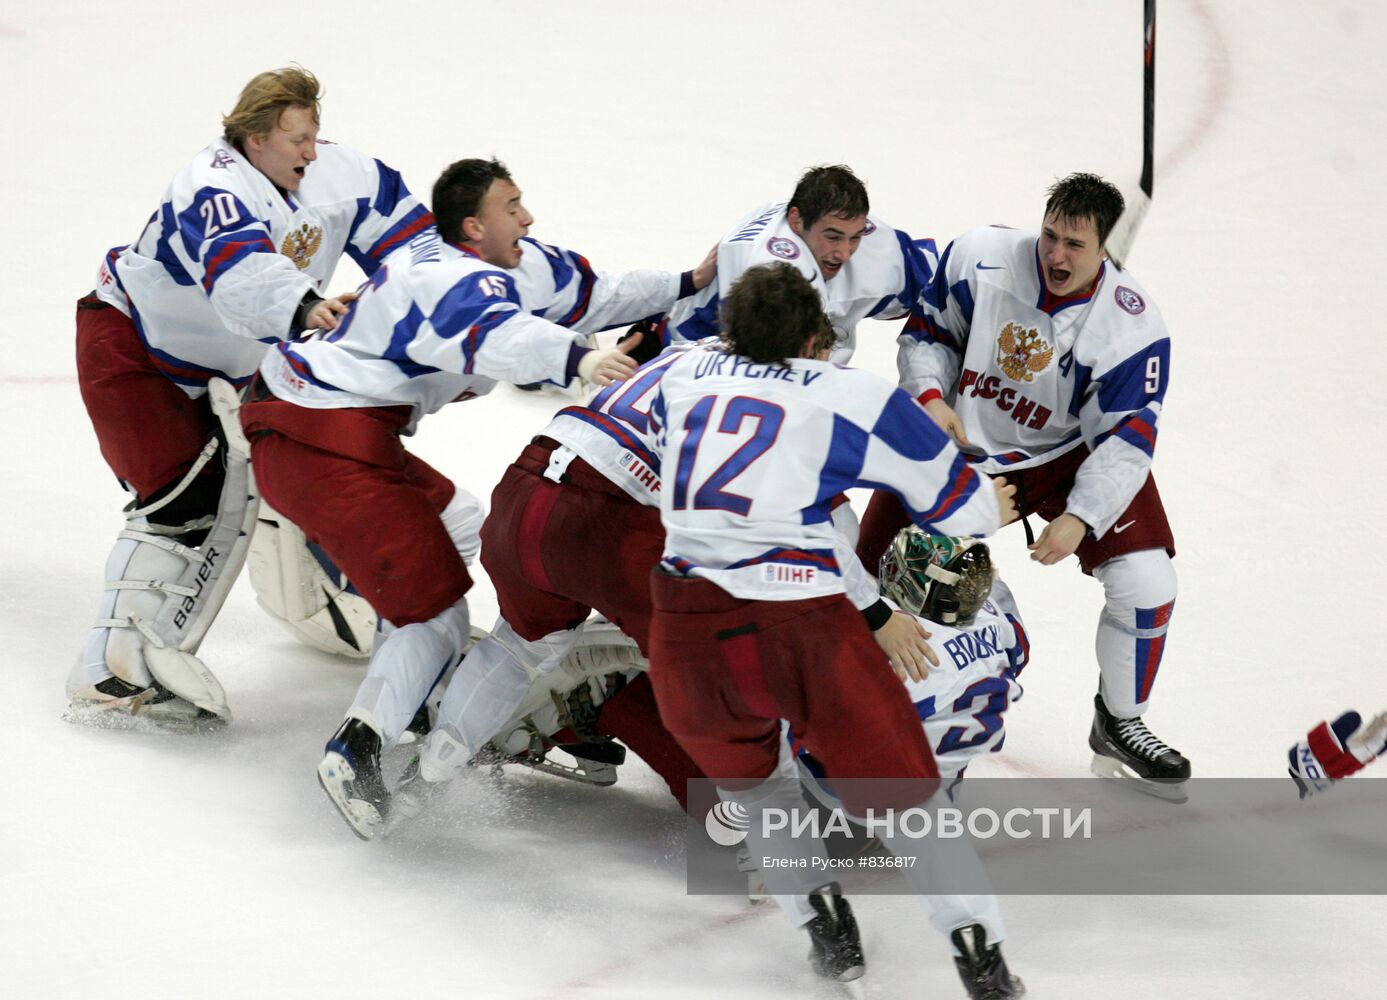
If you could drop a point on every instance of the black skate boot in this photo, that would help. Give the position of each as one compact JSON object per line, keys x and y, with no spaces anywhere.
{"x":350,"y":774}
{"x":982,"y":967}
{"x":1125,"y":750}
{"x":836,"y":946}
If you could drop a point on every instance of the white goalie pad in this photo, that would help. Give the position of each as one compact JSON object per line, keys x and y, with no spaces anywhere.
{"x":162,"y":596}
{"x":315,"y":605}
{"x":602,"y":652}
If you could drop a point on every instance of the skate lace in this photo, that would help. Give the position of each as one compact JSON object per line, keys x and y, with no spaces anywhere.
{"x":1140,"y":740}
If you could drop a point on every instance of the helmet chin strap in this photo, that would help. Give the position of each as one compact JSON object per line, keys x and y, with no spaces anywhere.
{"x":943,"y":575}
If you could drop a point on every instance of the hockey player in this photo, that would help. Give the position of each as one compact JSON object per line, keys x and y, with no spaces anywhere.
{"x":952,"y":586}
{"x":751,"y":624}
{"x":443,"y":319}
{"x":858,"y":264}
{"x":575,"y":525}
{"x":237,"y":255}
{"x":1053,"y":365}
{"x":1335,"y":750}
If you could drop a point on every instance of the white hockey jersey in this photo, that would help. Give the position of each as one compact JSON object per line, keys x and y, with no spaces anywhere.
{"x":752,"y":457}
{"x":962,"y":703}
{"x":436,"y":324}
{"x":1033,"y":377}
{"x":224,"y":262}
{"x":884,"y":279}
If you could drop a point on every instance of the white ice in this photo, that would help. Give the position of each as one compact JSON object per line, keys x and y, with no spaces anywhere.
{"x":162,"y":866}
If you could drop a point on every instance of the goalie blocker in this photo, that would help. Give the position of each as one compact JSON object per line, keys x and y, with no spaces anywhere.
{"x":166,"y":579}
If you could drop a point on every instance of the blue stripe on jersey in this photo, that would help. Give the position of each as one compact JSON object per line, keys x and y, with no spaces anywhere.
{"x":1139,"y":430}
{"x":397,"y":351}
{"x":917,"y":268}
{"x":924,"y":708}
{"x":823,"y":559}
{"x":224,"y":254}
{"x":958,"y":490}
{"x":907,"y":429}
{"x":163,"y":252}
{"x":463,"y":305}
{"x":390,"y":190}
{"x":963,"y":295}
{"x":302,"y":368}
{"x":847,"y":450}
{"x":923,"y":328}
{"x":176,"y":369}
{"x":208,"y":216}
{"x":613,"y":429}
{"x":1137,"y":381}
{"x":886,"y":301}
{"x":587,"y":280}
{"x":415,"y":222}
{"x":1020,"y":654}
{"x":702,"y":322}
{"x":1083,"y":378}
{"x":936,"y":292}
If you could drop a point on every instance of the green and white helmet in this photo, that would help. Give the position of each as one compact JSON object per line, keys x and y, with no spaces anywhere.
{"x":939,"y":577}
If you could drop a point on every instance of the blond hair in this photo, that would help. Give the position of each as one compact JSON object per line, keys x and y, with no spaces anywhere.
{"x":264,"y":99}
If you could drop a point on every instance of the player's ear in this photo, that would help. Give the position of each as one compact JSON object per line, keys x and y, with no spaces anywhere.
{"x":796,"y":221}
{"x":472,"y":228}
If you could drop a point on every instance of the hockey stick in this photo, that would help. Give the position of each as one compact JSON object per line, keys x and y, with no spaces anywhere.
{"x":1124,"y":233}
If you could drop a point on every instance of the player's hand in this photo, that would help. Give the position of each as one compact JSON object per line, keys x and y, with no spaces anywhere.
{"x":329,"y":312}
{"x":1006,"y":499}
{"x":902,"y":638}
{"x":943,"y":414}
{"x":704,"y":274}
{"x":613,"y":364}
{"x":1059,"y":540}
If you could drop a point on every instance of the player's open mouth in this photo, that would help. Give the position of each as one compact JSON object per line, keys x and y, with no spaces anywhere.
{"x":1058,"y":277}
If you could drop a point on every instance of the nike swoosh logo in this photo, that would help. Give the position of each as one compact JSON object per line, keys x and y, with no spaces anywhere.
{"x":1123,"y":527}
{"x":990,"y":267}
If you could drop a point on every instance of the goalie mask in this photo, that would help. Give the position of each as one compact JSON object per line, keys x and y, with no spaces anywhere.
{"x":939,"y":577}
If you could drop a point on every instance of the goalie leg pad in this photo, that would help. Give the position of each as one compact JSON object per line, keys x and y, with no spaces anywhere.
{"x":302,"y":589}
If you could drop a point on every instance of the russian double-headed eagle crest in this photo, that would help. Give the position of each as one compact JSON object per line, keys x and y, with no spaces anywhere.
{"x":1022,"y":353}
{"x":301,"y":244}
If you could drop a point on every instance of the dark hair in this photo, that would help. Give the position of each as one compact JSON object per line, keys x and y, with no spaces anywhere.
{"x":1085,"y":196}
{"x":769,"y":314}
{"x":458,"y":193}
{"x":825,"y":190}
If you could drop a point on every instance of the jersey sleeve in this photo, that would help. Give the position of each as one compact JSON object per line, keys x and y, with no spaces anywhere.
{"x":227,"y":251}
{"x":1015,"y":641}
{"x":1119,"y":415}
{"x":386,"y":219}
{"x":935,"y":335}
{"x":478,"y":327}
{"x":905,"y":452}
{"x":562,"y":287}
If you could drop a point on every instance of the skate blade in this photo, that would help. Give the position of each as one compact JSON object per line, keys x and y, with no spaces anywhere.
{"x":134,"y":715}
{"x":333,"y":774}
{"x":587,"y":773}
{"x":1115,"y":770}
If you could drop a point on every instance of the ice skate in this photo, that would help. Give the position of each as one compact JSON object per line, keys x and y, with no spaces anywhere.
{"x":836,"y":945}
{"x":1125,"y":750}
{"x":982,"y":967}
{"x":350,"y":774}
{"x":117,"y":704}
{"x":412,"y":797}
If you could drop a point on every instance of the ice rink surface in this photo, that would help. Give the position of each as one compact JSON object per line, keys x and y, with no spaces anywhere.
{"x":159,"y":866}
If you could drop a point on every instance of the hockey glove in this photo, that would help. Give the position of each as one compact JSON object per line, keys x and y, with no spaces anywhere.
{"x":1331,"y":752}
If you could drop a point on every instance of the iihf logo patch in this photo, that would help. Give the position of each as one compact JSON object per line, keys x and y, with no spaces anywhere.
{"x":782,"y":248}
{"x":871,"y":228}
{"x":1129,"y":300}
{"x":222,"y":159}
